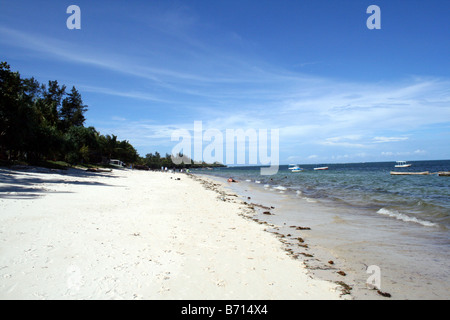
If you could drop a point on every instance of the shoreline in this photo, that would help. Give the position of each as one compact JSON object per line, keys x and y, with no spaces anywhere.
{"x":354,"y":243}
{"x":319,"y":262}
{"x":138,"y":235}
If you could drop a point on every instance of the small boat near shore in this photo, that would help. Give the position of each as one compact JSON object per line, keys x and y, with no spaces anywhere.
{"x":295,"y":168}
{"x":403,"y":164}
{"x":321,"y":168}
{"x":398,"y":173}
{"x":117,"y":163}
{"x":444,"y":174}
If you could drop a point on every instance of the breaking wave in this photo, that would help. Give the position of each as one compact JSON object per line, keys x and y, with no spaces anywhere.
{"x":403,"y":217}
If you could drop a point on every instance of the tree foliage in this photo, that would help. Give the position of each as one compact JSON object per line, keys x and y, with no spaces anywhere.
{"x":44,"y":122}
{"x":155,"y":162}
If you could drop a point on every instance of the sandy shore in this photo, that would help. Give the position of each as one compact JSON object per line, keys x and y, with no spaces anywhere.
{"x":138,"y":235}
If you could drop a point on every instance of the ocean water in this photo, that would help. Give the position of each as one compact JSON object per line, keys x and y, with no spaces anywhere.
{"x":368,"y":186}
{"x":361,"y":215}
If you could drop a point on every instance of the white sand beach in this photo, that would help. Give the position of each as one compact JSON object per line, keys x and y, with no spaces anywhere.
{"x":138,"y":235}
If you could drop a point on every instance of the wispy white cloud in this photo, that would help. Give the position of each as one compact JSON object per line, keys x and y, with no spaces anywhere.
{"x":351,"y":141}
{"x":130,"y":94}
{"x":389,"y":154}
{"x":364,"y":123}
{"x":51,"y":48}
{"x":226,"y":90}
{"x":389,"y":139}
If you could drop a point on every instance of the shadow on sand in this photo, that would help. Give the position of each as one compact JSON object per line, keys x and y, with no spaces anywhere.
{"x":23,"y":183}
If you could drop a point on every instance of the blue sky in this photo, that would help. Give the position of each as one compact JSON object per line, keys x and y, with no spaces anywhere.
{"x":337,"y":91}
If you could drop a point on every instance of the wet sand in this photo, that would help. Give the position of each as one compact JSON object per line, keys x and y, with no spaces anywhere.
{"x":345,"y":246}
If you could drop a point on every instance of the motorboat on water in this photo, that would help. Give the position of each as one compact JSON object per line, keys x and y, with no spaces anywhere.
{"x":295,"y":168}
{"x":402,"y":164}
{"x":321,"y":168}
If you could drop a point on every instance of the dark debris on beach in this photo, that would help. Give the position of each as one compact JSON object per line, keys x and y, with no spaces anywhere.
{"x":294,"y":245}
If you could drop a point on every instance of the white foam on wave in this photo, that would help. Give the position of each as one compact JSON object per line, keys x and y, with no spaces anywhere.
{"x":280,"y":188}
{"x":403,"y":217}
{"x":267,"y":186}
{"x":257,"y":181}
{"x":248,"y":180}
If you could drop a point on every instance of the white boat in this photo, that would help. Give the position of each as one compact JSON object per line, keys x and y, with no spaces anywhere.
{"x":295,"y":168}
{"x":117,"y":163}
{"x":321,"y":168}
{"x":402,"y":164}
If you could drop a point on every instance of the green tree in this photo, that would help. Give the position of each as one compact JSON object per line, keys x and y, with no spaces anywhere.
{"x":16,"y":113}
{"x":52,"y":98}
{"x":79,"y":141}
{"x":109,"y":146}
{"x":44,"y":139}
{"x":126,"y":152}
{"x":72,"y":111}
{"x":39,"y":122}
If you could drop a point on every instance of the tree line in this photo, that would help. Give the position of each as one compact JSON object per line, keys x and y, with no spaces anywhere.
{"x":41,"y":122}
{"x":156,"y":161}
{"x":45,"y":122}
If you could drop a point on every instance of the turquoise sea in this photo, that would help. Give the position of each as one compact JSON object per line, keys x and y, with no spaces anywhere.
{"x":362,"y":215}
{"x":367,"y":186}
